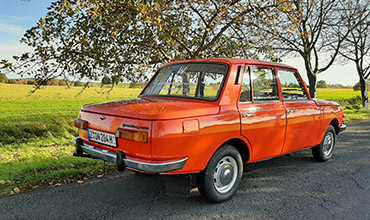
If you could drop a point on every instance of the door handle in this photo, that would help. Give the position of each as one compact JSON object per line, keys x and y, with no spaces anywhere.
{"x":291,"y":110}
{"x":246,"y":115}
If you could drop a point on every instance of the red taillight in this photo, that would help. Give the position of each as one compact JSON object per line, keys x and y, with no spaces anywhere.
{"x":81,"y":124}
{"x":139,"y":136}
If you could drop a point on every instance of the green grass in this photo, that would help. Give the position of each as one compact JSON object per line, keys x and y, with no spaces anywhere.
{"x":350,"y":101}
{"x":36,"y":135}
{"x":36,"y":132}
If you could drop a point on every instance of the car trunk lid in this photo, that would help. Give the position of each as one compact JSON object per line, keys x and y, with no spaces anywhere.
{"x":153,"y":108}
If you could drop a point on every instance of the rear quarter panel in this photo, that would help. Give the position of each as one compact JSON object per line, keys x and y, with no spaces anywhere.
{"x":169,"y":141}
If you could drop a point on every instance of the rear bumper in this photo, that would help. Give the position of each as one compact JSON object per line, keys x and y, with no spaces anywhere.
{"x":342,"y":128}
{"x":98,"y":153}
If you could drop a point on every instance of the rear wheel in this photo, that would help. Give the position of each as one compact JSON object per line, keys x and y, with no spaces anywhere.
{"x":324,"y":150}
{"x":222,"y":176}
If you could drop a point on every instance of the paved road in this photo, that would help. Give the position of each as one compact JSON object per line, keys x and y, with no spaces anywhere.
{"x":288,"y":187}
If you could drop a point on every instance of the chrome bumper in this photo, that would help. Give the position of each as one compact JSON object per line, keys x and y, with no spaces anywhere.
{"x":109,"y":156}
{"x":342,"y":128}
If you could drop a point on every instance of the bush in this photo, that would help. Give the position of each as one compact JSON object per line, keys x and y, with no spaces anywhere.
{"x":53,"y":82}
{"x":134,"y":85}
{"x":78,"y":83}
{"x":322,"y":84}
{"x":357,"y":86}
{"x":12,"y":81}
{"x":3,"y":78}
{"x":106,"y":80}
{"x":62,"y":83}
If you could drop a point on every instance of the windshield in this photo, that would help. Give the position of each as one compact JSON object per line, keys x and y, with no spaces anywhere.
{"x":188,"y":80}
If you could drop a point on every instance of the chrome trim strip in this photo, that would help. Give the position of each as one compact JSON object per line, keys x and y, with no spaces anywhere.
{"x":342,"y":128}
{"x":156,"y":167}
{"x":140,"y":166}
{"x":99,"y":153}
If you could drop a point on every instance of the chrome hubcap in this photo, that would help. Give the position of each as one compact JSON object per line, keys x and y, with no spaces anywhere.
{"x":328,"y":143}
{"x":225,"y":174}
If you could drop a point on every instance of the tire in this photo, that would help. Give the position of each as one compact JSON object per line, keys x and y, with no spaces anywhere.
{"x":222,"y":176}
{"x":324,"y":150}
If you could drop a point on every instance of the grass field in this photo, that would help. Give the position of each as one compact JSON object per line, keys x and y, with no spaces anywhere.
{"x":36,"y":133}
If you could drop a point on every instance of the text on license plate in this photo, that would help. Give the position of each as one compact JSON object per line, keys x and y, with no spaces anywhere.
{"x":102,"y":137}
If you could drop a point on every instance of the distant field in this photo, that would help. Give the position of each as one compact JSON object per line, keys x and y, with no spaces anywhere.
{"x":334,"y":94}
{"x":36,"y":132}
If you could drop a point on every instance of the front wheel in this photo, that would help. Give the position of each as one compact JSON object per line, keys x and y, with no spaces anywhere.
{"x":324,"y":150}
{"x":222,"y":176}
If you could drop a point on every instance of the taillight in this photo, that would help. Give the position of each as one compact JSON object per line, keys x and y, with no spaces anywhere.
{"x":82,"y":124}
{"x":139,"y":136}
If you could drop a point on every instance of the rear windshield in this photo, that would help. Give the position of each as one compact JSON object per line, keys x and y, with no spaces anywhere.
{"x":188,"y":80}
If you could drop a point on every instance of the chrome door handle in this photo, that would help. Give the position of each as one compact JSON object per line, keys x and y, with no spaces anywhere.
{"x":246,"y":115}
{"x":291,"y":110}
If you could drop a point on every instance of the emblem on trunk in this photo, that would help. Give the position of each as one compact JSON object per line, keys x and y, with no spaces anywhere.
{"x":102,"y":117}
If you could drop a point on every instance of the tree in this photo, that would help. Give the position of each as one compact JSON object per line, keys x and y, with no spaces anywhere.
{"x":3,"y":78}
{"x":322,"y":84}
{"x":93,"y":38}
{"x":311,"y":29}
{"x":106,"y":80}
{"x":357,"y":44}
{"x":358,"y":86}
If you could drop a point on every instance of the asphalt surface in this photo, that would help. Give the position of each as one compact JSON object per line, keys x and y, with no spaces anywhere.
{"x":287,"y":187}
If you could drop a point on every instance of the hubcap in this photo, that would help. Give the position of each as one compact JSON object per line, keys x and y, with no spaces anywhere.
{"x":328,"y":143}
{"x":225,"y":174}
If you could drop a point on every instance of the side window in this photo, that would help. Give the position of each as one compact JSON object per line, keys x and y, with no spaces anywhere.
{"x":291,"y":86}
{"x":264,"y":84}
{"x":246,"y":95}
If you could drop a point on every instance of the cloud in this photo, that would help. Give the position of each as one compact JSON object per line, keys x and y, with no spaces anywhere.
{"x":15,"y":18}
{"x":16,"y":30}
{"x":7,"y":51}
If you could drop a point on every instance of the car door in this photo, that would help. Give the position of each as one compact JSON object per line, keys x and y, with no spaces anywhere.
{"x":262,"y":114}
{"x":303,"y":115}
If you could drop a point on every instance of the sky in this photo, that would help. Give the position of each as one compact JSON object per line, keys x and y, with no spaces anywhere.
{"x":16,"y":16}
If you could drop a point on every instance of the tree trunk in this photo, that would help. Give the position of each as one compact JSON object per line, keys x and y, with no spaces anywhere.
{"x":312,"y":79}
{"x":364,"y":94}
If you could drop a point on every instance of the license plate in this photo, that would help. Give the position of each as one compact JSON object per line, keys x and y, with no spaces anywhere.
{"x":102,"y":137}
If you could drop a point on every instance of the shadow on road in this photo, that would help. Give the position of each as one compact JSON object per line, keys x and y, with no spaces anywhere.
{"x":288,"y":187}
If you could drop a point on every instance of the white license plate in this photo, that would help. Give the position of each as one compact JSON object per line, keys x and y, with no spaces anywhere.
{"x":102,"y":137}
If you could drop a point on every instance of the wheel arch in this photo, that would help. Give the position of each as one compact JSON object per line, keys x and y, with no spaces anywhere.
{"x":335,"y":124}
{"x":241,"y":146}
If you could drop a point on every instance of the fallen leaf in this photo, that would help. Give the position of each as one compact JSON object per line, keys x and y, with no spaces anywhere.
{"x":11,"y":193}
{"x":31,"y":186}
{"x":2,"y":181}
{"x":16,"y":190}
{"x":58,"y":184}
{"x":100,"y":175}
{"x":80,"y":181}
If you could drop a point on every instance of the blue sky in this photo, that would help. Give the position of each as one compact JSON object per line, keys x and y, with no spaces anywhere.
{"x":16,"y":16}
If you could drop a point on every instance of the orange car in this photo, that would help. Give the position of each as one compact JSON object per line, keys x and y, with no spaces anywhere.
{"x":207,"y":117}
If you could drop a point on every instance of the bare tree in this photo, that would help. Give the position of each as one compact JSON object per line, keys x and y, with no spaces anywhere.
{"x":311,"y":29}
{"x":356,"y":47}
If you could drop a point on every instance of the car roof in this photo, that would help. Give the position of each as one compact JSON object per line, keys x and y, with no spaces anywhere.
{"x":234,"y":61}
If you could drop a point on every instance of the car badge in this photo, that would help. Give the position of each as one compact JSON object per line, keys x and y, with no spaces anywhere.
{"x":102,"y":117}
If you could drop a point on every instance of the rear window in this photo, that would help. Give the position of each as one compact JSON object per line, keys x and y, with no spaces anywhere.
{"x":188,"y":80}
